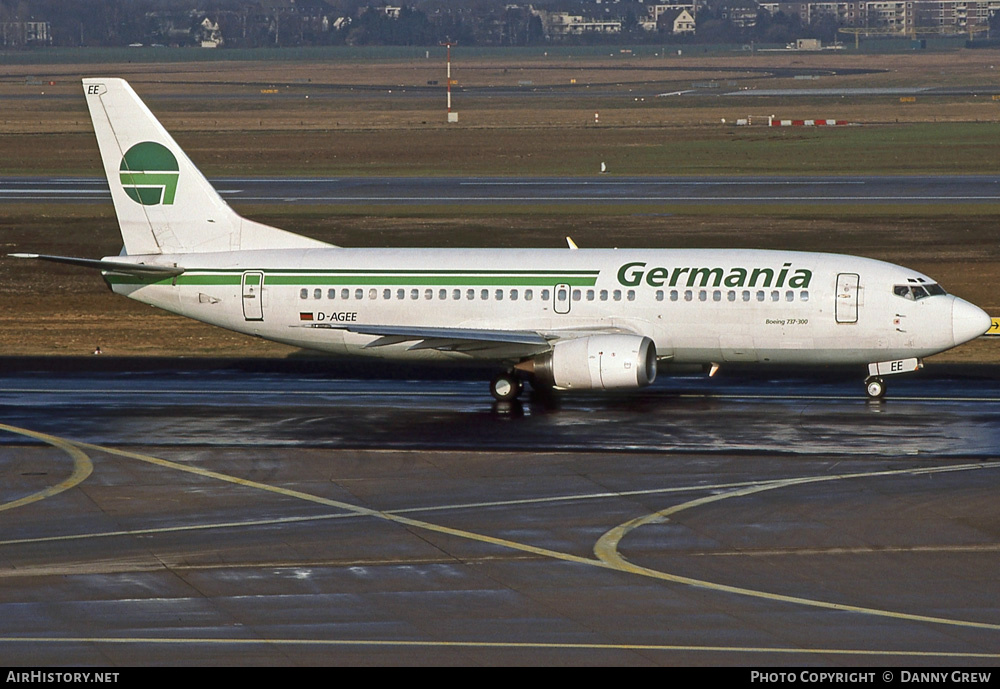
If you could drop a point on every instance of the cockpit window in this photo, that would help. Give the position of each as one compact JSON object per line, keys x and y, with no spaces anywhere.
{"x":917,"y":292}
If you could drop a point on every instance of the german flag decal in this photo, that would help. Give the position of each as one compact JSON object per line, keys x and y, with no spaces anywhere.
{"x":303,"y":316}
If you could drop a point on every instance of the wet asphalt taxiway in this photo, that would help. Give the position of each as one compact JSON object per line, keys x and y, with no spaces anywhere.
{"x":761,"y":189}
{"x":225,"y":513}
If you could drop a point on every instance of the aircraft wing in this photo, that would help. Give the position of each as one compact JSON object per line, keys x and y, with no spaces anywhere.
{"x":122,"y":267}
{"x":498,"y":343}
{"x":481,"y":341}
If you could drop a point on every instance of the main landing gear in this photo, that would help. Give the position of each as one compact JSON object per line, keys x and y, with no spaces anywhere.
{"x":506,"y":387}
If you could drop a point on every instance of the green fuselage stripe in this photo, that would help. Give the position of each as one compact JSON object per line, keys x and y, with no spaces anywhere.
{"x":401,"y":277}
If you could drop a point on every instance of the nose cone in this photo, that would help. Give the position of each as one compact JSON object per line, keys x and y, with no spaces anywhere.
{"x":967,"y":321}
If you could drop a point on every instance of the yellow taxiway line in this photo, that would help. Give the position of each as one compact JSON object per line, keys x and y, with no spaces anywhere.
{"x":606,"y":552}
{"x":82,"y":467}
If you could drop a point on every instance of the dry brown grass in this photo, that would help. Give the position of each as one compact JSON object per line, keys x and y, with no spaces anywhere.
{"x":347,"y":95}
{"x":346,"y":118}
{"x":352,"y":124}
{"x":60,"y":310}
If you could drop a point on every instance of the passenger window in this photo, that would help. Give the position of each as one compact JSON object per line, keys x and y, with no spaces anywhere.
{"x":345,"y":293}
{"x":731,"y":295}
{"x":456,"y":294}
{"x":717,"y":295}
{"x":387,"y":294}
{"x":590,"y":295}
{"x":359,"y":293}
{"x":617,"y":295}
{"x":414,"y":294}
{"x":470,"y":294}
{"x":513,"y":295}
{"x":545,"y":295}
{"x":789,"y":295}
{"x":372,"y":293}
{"x":673,"y":295}
{"x":804,"y":295}
{"x":659,"y":295}
{"x":400,"y":293}
{"x":442,"y":294}
{"x":688,"y":295}
{"x":760,"y":295}
{"x":746,"y":295}
{"x":484,"y":294}
{"x":317,"y":294}
{"x":303,"y":293}
{"x":528,"y":294}
{"x":577,"y":295}
{"x":499,"y":294}
{"x":331,"y":293}
{"x":630,"y":295}
{"x":702,"y":295}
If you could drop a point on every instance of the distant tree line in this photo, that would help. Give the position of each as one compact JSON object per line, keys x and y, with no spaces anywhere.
{"x":251,"y":23}
{"x":254,"y":23}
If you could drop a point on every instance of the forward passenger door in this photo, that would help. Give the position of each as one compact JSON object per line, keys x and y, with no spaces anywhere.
{"x":847,"y":297}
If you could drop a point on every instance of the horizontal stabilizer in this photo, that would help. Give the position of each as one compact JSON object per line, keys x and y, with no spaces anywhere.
{"x":122,"y":267}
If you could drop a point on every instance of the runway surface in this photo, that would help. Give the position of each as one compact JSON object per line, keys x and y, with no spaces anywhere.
{"x":546,"y":190}
{"x":220,"y":513}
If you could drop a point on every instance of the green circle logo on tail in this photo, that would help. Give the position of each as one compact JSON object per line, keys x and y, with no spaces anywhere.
{"x":149,"y":174}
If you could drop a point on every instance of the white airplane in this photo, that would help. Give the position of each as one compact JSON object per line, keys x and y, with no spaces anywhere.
{"x":564,"y":318}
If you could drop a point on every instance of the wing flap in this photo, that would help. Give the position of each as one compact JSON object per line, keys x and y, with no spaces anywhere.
{"x":508,"y":344}
{"x":405,"y":333}
{"x":518,"y":343}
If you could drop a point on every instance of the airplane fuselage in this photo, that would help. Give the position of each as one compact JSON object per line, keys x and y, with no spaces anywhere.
{"x":697,"y":306}
{"x":570,"y":319}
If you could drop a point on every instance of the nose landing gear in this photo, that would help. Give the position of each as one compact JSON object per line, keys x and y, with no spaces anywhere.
{"x":875,"y":387}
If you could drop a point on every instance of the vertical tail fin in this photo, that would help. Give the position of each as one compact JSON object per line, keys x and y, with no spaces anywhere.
{"x":163,"y":202}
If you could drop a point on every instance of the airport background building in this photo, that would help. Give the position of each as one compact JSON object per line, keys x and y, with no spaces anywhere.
{"x":875,"y":17}
{"x":257,"y":23}
{"x":896,"y":16}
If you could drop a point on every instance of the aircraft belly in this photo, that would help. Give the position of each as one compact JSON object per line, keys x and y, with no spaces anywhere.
{"x":166,"y":297}
{"x":737,"y":348}
{"x":331,"y":343}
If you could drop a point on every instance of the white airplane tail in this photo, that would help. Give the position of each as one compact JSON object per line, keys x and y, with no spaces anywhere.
{"x":163,"y":202}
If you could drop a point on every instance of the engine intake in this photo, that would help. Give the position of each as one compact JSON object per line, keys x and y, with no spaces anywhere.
{"x":601,"y":362}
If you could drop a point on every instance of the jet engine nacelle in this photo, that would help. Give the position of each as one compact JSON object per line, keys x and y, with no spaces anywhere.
{"x":599,"y":362}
